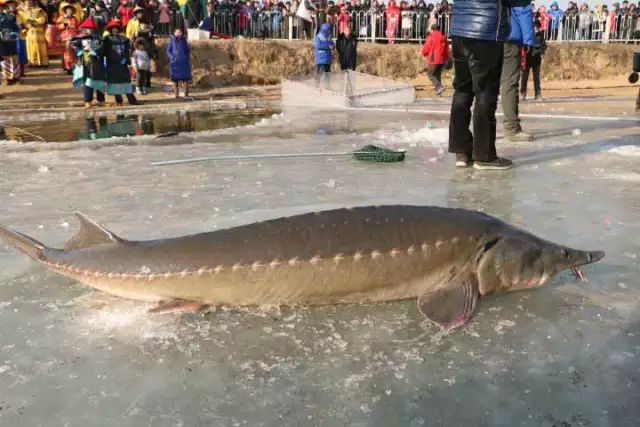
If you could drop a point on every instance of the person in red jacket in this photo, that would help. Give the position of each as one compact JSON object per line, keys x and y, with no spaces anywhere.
{"x":436,"y":50}
{"x":125,"y":11}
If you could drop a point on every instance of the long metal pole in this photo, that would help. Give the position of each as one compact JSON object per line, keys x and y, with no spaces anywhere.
{"x":258,"y":156}
{"x":248,"y":156}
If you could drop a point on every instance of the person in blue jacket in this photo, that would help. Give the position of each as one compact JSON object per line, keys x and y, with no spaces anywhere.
{"x":179,"y":54}
{"x":478,"y":31}
{"x":324,"y":46}
{"x":522,"y":35}
{"x":557,"y":16}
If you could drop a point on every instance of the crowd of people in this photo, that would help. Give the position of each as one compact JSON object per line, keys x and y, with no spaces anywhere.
{"x":106,"y":55}
{"x":393,"y":20}
{"x":387,"y":20}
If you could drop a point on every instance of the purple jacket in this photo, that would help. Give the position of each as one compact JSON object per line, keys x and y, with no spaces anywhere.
{"x":179,"y":54}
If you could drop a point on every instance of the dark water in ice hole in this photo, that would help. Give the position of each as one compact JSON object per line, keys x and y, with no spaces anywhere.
{"x":122,"y":125}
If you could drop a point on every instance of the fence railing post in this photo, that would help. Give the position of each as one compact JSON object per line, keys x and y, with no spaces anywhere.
{"x":290,"y":18}
{"x":373,"y":27}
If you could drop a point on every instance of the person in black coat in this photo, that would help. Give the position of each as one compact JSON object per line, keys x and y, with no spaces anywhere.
{"x":533,"y":63}
{"x":90,"y":72}
{"x":347,"y":47}
{"x":117,"y":49}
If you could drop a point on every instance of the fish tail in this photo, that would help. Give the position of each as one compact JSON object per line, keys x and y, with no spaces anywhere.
{"x":22,"y":242}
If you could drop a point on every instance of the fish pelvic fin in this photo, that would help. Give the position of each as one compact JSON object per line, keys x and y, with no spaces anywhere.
{"x":90,"y":234}
{"x":452,"y":304}
{"x":22,"y":242}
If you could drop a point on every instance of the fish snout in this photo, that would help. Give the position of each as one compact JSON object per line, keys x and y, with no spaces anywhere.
{"x":595,"y":256}
{"x":578,"y":258}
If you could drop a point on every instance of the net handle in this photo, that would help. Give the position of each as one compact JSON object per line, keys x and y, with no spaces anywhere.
{"x":266,"y":156}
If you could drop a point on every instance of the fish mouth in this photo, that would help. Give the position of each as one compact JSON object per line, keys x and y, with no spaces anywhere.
{"x":589,"y":258}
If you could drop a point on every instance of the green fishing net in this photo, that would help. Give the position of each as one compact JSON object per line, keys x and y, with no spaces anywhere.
{"x":372,"y":153}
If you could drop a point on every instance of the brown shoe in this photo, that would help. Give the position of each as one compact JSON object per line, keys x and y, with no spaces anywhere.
{"x":519,"y":136}
{"x":87,"y":105}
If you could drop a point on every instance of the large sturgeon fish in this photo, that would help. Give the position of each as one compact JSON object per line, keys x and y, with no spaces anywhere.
{"x":446,"y":258}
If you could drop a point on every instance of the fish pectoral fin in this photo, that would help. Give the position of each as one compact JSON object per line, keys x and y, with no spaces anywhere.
{"x":177,"y":306}
{"x":90,"y":233}
{"x":451,"y":305}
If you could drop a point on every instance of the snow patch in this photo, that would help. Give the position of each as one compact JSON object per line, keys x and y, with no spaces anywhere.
{"x":105,"y":315}
{"x":626,"y":150}
{"x":630,"y":177}
{"x":426,"y":136}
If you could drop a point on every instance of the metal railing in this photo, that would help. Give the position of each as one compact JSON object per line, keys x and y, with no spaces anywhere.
{"x":367,"y":25}
{"x":408,"y":26}
{"x":591,"y":27}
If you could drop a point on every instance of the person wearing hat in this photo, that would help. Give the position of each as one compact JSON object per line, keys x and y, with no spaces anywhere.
{"x":35,"y":20}
{"x":77,"y":9}
{"x":9,"y":32}
{"x":118,"y":59}
{"x":68,"y":27}
{"x":134,"y":24}
{"x":89,"y":74}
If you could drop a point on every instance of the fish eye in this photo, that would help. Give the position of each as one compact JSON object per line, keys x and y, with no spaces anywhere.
{"x":565,"y":253}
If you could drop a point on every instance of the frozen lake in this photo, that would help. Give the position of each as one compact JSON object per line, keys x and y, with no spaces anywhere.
{"x":567,"y":354}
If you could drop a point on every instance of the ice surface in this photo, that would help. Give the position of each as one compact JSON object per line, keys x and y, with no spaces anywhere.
{"x":567,"y":354}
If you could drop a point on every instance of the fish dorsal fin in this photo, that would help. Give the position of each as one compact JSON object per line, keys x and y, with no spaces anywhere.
{"x":90,"y":234}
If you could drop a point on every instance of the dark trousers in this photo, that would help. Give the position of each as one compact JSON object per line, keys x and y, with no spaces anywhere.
{"x":477,"y":65}
{"x":307,"y":27}
{"x":88,"y":95}
{"x":143,"y":79}
{"x":322,"y":18}
{"x":509,"y":82}
{"x":131,"y":99}
{"x":533,"y":64}
{"x":434,"y":72}
{"x":321,"y":70}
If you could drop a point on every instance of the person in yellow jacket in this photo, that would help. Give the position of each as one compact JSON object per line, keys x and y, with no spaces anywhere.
{"x":134,"y":24}
{"x":77,"y":9}
{"x":35,"y":20}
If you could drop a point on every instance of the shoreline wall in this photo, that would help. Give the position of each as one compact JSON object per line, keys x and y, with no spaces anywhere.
{"x":219,"y":63}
